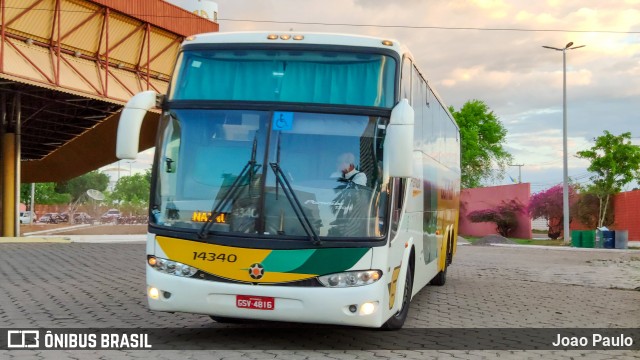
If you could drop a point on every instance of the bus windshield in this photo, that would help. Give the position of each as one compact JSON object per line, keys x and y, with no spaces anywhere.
{"x":315,"y":77}
{"x":331,"y":162}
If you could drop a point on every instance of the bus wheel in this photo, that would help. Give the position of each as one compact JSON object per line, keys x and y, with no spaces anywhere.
{"x":396,"y":321}
{"x":441,"y":278}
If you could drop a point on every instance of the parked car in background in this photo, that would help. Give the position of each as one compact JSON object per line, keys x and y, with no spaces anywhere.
{"x":82,"y":218}
{"x":64,"y":217}
{"x":50,"y":218}
{"x":110,"y":216}
{"x":27,"y":217}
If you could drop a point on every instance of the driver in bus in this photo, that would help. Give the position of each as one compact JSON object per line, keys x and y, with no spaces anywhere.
{"x":347,"y":172}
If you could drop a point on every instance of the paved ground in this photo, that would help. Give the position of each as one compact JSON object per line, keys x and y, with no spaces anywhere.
{"x":70,"y":285}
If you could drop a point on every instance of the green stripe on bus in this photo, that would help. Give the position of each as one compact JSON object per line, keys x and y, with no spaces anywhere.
{"x":286,"y":260}
{"x":327,"y":261}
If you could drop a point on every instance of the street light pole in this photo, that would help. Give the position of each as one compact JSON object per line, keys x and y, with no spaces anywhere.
{"x":519,"y":171}
{"x":130,"y":162}
{"x":565,"y":175}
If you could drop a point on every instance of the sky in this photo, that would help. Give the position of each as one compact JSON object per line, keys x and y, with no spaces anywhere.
{"x":509,"y":70}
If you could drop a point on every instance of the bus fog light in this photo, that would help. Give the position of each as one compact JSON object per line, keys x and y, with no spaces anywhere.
{"x":367,"y":308}
{"x":154,"y":293}
{"x":353,"y":308}
{"x":351,"y":278}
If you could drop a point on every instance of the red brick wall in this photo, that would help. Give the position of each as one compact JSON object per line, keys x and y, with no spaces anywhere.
{"x":627,"y":213}
{"x":626,"y":207}
{"x":43,"y":209}
{"x":488,"y":197}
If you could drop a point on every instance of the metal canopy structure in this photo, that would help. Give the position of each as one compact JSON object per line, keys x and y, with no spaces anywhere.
{"x":76,"y":62}
{"x":50,"y":119}
{"x":66,"y":69}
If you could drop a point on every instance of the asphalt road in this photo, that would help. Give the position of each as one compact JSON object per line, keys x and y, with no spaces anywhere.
{"x":101,"y":285}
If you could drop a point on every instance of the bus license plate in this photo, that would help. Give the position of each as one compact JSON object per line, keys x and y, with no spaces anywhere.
{"x":255,"y":302}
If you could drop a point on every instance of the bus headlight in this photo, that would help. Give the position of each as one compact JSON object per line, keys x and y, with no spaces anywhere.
{"x":350,"y":278}
{"x":171,"y":267}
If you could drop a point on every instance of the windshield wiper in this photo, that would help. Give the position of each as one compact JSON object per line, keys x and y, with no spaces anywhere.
{"x":248,"y":171}
{"x":287,"y":189}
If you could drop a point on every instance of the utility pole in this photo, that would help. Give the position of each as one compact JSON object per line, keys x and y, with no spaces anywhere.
{"x":519,"y":171}
{"x":565,"y":166}
{"x":32,"y":203}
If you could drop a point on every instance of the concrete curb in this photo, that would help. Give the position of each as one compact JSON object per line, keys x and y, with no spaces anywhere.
{"x":35,"y":239}
{"x":564,"y":248}
{"x":67,"y":239}
{"x":106,"y":238}
{"x":49,"y":231}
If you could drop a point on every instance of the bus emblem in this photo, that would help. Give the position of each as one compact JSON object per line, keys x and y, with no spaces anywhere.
{"x":256,"y":271}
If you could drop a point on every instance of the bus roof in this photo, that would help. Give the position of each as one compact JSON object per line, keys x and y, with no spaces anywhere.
{"x":260,"y":37}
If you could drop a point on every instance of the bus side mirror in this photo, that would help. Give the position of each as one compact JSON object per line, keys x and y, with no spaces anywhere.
{"x":398,"y":141}
{"x":130,"y":123}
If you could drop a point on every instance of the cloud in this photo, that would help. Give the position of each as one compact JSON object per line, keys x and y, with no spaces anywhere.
{"x":509,"y":70}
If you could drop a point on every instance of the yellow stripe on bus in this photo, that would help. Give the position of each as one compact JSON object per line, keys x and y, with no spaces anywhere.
{"x":224,"y":261}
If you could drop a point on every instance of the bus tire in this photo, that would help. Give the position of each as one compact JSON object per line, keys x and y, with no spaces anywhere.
{"x":396,"y":321}
{"x":440,"y":279}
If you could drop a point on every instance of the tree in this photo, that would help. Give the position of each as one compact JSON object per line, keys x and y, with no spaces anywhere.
{"x":615,"y":162}
{"x":586,"y":210}
{"x":45,"y":194}
{"x":130,"y":188}
{"x":78,"y":186}
{"x":147,"y":175}
{"x":505,"y":216}
{"x":547,"y":204}
{"x":132,"y":192}
{"x":482,"y":137}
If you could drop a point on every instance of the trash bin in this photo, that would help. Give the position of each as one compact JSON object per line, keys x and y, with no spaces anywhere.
{"x":621,"y":239}
{"x":599,"y":240}
{"x":608,"y":241}
{"x":588,"y":238}
{"x":576,"y":238}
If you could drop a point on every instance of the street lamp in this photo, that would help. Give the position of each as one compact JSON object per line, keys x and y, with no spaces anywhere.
{"x":130,"y":162}
{"x":565,"y":183}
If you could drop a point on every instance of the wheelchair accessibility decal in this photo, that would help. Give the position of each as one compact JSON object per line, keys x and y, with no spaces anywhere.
{"x":282,"y":120}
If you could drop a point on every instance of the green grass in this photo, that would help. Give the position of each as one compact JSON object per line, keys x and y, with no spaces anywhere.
{"x":559,"y":242}
{"x":471,"y":239}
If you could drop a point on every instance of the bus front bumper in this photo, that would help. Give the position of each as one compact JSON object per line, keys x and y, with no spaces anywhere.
{"x":318,"y":305}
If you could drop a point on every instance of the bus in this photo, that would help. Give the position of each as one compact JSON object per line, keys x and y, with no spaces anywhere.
{"x":298,"y":177}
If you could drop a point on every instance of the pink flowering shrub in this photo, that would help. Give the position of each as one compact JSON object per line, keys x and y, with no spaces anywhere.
{"x":505,"y":216}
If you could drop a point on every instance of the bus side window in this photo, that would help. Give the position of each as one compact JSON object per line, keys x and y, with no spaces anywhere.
{"x":399,"y":186}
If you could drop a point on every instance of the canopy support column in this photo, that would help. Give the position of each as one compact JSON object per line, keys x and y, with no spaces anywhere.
{"x":10,"y":167}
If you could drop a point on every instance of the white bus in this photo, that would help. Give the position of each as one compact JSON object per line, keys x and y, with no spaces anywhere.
{"x":298,"y":177}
